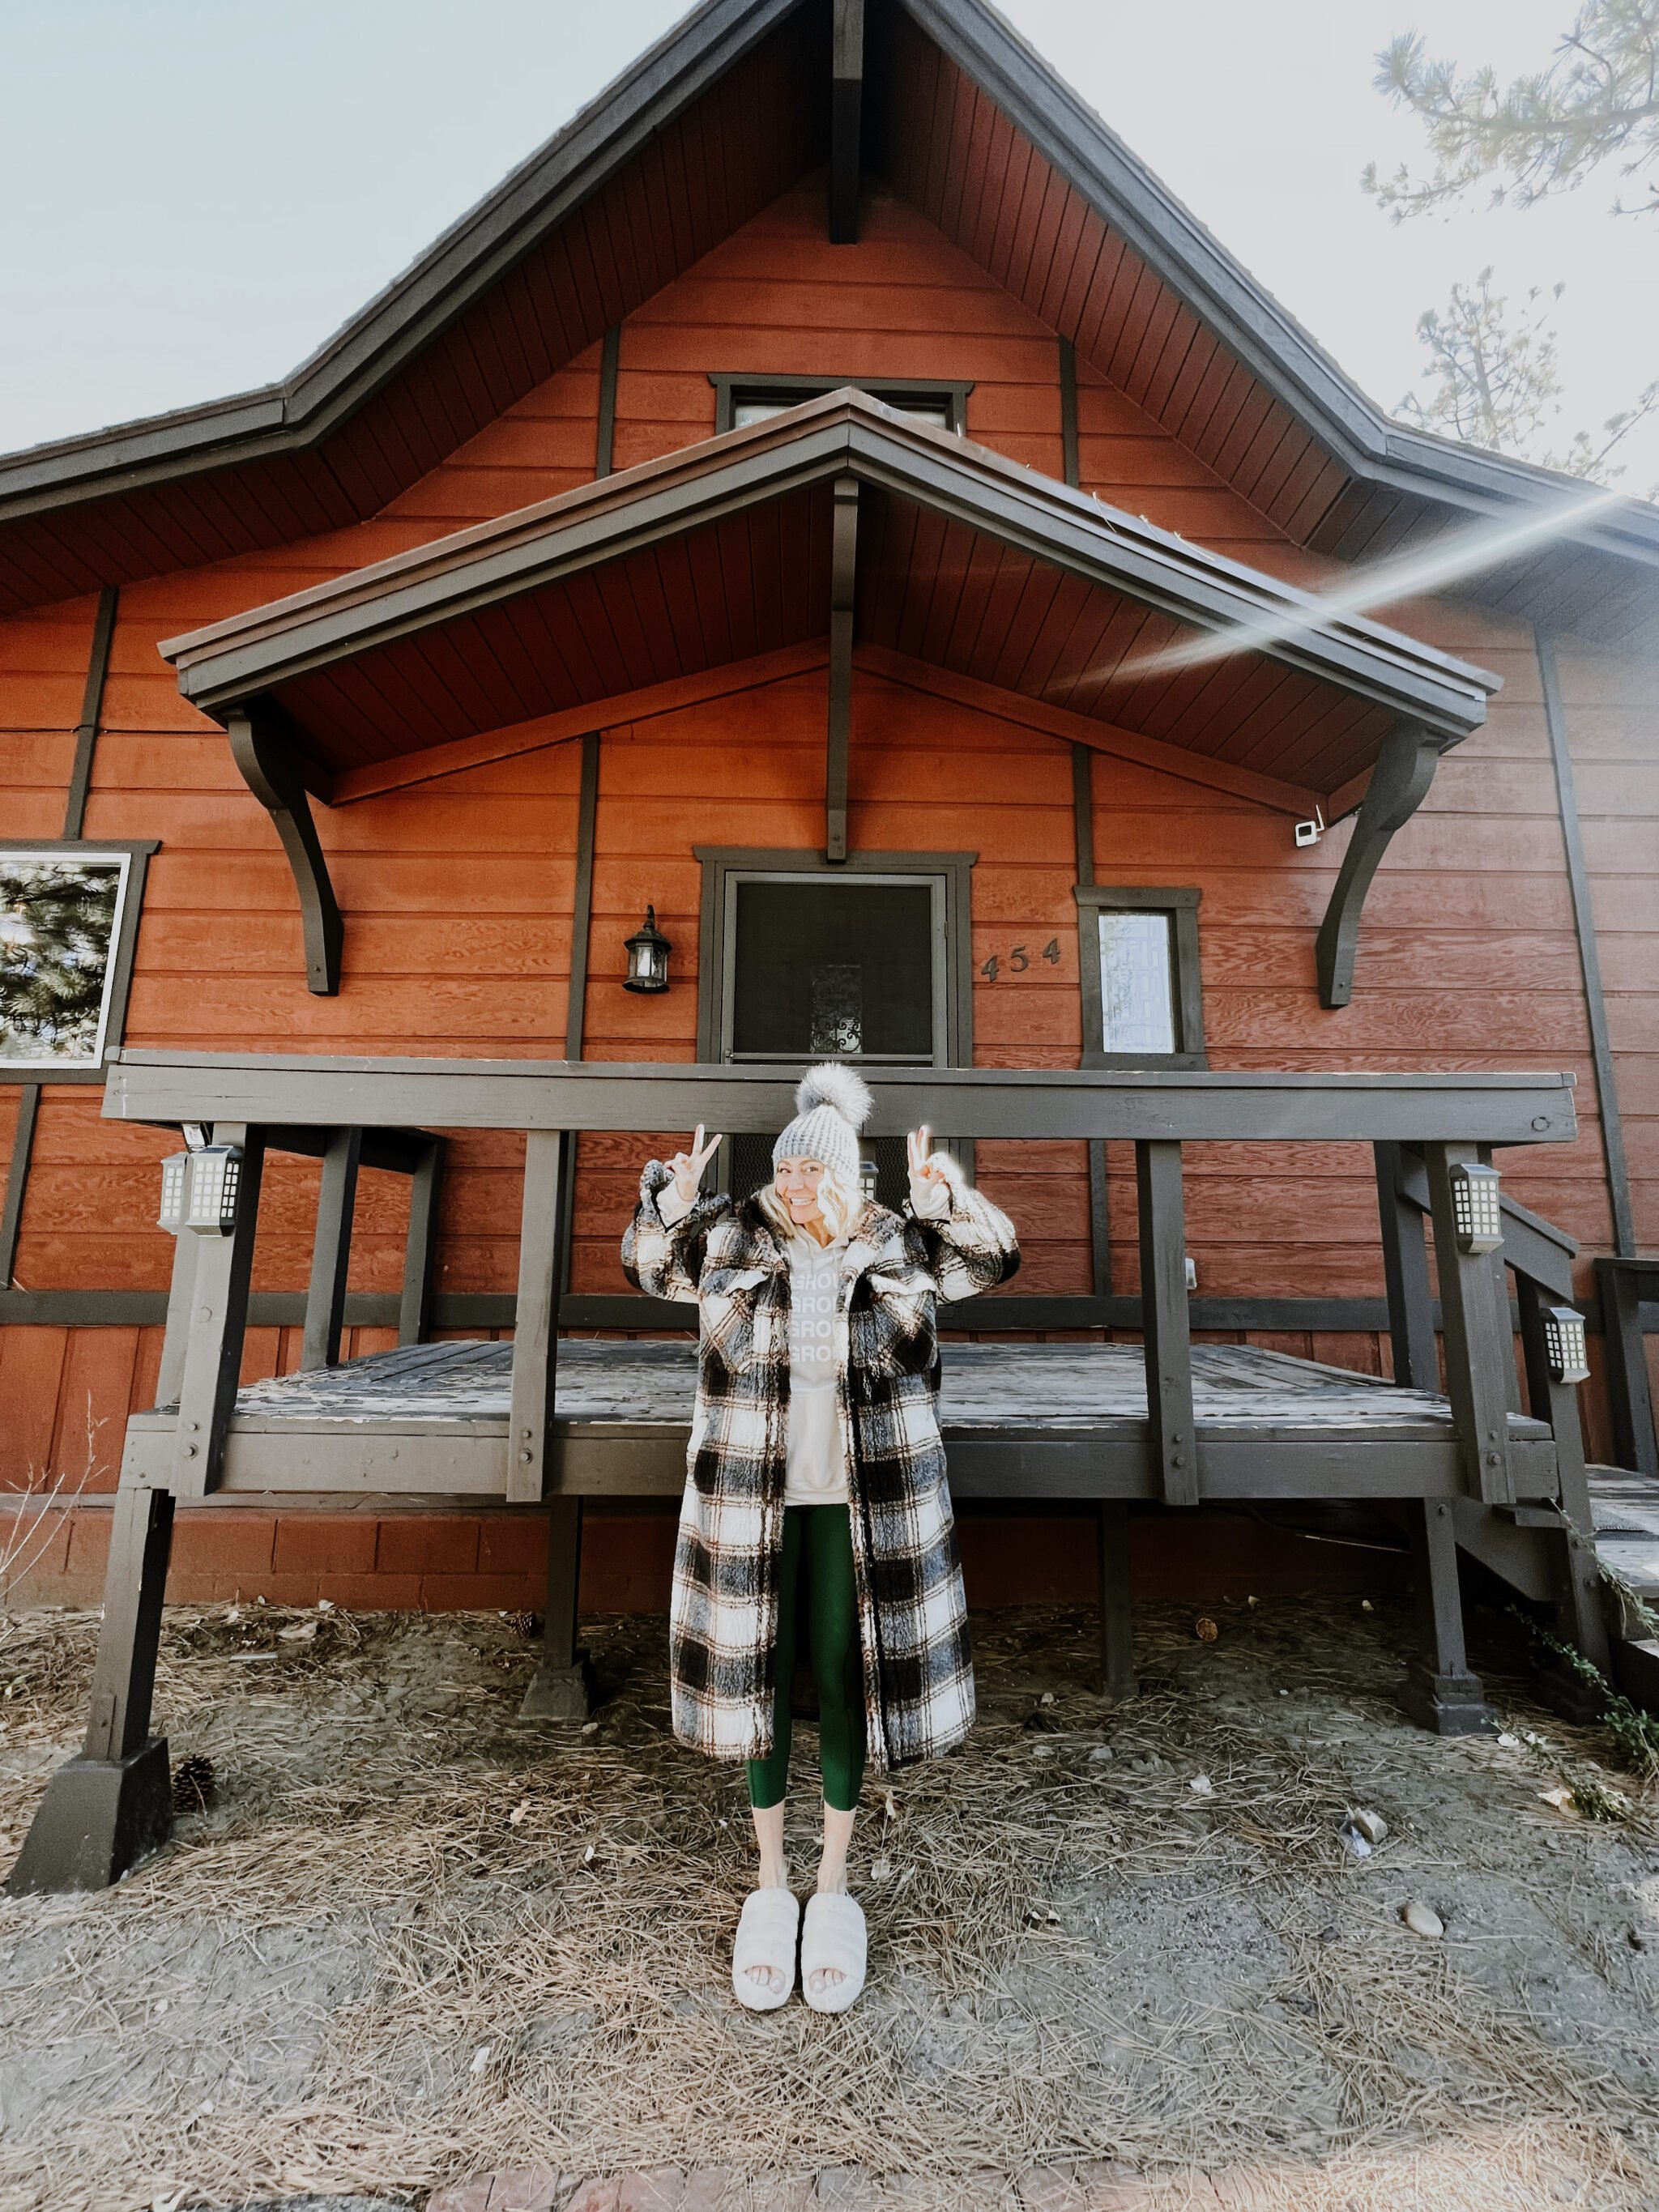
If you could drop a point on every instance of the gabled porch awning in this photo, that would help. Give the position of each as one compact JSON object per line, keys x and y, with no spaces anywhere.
{"x":723,"y":551}
{"x":840,"y":520}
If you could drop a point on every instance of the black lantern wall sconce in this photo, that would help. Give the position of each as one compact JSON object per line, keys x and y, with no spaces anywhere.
{"x":648,"y":957}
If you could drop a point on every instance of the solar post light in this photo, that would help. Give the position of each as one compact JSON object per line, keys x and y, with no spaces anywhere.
{"x":648,"y":957}
{"x":1476,"y":1212}
{"x":867,"y":1180}
{"x":200,"y":1189}
{"x":175,"y":1187}
{"x":1565,"y":1353}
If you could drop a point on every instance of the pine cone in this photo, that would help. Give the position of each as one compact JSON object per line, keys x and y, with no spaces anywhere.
{"x":195,"y":1784}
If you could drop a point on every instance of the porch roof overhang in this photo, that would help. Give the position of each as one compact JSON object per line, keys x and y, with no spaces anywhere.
{"x":722,"y":550}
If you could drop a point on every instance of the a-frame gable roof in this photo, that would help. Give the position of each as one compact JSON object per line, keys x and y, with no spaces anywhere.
{"x":724,"y":113}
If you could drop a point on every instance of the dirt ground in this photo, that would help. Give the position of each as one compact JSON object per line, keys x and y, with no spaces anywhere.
{"x":414,"y":1938}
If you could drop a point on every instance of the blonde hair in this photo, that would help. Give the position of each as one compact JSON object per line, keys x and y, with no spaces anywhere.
{"x":840,"y":1203}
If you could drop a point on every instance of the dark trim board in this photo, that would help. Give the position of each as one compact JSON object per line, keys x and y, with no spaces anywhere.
{"x":92,"y":708}
{"x":278,"y":1091}
{"x":647,"y":1458}
{"x":1589,"y":958}
{"x":17,"y":1177}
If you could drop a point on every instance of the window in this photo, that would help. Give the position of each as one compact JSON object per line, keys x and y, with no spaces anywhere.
{"x":741,"y":400}
{"x":67,"y":916}
{"x":1141,"y":997}
{"x":867,"y":960}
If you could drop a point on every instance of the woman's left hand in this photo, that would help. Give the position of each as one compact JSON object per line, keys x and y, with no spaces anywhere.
{"x":919,"y":1159}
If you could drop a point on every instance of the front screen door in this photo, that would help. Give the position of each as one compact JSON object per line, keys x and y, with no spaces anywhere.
{"x":837,"y":966}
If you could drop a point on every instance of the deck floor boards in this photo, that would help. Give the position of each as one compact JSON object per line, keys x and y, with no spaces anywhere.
{"x":1004,"y":1387}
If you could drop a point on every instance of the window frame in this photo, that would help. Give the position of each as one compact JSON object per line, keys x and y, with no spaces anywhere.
{"x":1181,"y":904}
{"x":123,"y":938}
{"x":730,"y":386}
{"x":950,"y":873}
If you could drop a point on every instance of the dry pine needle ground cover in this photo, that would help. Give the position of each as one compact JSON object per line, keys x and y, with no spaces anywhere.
{"x":415,"y":1938}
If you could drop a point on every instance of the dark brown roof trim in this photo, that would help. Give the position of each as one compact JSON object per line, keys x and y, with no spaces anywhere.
{"x":258,"y":651}
{"x":475,"y":251}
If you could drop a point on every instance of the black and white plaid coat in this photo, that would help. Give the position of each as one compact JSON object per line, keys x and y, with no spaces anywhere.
{"x":918,"y":1677}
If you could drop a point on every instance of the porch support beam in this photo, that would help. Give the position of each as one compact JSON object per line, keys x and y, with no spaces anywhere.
{"x":112,"y":1805}
{"x":843,"y":578}
{"x":269,"y":770}
{"x":1399,"y":783}
{"x":1439,"y":1693}
{"x":846,"y":105}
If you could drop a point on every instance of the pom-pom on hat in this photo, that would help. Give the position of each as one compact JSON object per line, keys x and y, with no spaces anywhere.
{"x":832,"y":1104}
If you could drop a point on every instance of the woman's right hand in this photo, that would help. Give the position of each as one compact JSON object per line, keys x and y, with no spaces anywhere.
{"x":687,"y":1168}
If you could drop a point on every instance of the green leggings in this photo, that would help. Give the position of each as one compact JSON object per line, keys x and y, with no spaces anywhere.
{"x":817,"y":1539}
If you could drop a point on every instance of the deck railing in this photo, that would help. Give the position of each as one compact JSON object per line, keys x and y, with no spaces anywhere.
{"x":357,"y":1111}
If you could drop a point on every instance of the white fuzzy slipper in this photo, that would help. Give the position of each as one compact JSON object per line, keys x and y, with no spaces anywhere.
{"x":767,"y":1928}
{"x":833,"y":1935}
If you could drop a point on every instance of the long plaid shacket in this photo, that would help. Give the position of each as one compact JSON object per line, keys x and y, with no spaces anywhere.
{"x":913,"y":1627}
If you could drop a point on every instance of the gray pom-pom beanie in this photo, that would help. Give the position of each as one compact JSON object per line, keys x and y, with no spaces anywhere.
{"x":832,"y":1103}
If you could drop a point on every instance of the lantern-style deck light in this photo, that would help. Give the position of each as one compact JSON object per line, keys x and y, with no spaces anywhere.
{"x":648,"y":957}
{"x":200,"y":1189}
{"x":867,"y":1181}
{"x":175,"y":1191}
{"x":1477,"y":1212}
{"x":1565,"y":1353}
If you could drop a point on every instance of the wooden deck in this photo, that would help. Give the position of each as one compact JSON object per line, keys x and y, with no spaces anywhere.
{"x":1019,"y":1419}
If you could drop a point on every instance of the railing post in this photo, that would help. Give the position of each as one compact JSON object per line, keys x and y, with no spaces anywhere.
{"x":112,"y":1805}
{"x":213,"y":1348}
{"x":414,"y":1305}
{"x":1405,"y":1273}
{"x":1477,"y":1351}
{"x":559,"y":1689}
{"x":1630,"y":1400}
{"x":330,"y":1253}
{"x":1574,"y":1572}
{"x":535,"y":1327}
{"x":180,"y":1293}
{"x":1164,"y":1319}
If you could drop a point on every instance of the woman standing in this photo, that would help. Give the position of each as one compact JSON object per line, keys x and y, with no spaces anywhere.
{"x":815,"y":1502}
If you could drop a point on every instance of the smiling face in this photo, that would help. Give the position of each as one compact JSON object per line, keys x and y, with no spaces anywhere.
{"x":797,"y":1183}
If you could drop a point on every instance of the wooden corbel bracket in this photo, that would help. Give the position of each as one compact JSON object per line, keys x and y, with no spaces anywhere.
{"x":269,"y":769}
{"x":1399,"y":783}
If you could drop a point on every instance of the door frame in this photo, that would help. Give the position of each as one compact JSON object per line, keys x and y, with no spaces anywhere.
{"x":951,"y":873}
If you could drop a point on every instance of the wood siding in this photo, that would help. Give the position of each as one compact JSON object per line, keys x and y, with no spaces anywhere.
{"x":457,"y":891}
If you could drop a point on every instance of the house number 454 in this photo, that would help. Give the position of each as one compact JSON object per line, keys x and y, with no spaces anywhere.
{"x":1018,"y":960}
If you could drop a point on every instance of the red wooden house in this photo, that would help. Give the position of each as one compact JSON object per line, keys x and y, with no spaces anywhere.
{"x":833,"y":497}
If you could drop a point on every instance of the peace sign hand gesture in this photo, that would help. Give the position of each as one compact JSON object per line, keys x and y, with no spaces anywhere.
{"x":920,"y":1160}
{"x":687,"y":1167}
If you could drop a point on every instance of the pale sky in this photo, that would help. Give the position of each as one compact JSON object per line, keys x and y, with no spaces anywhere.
{"x":198,"y":191}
